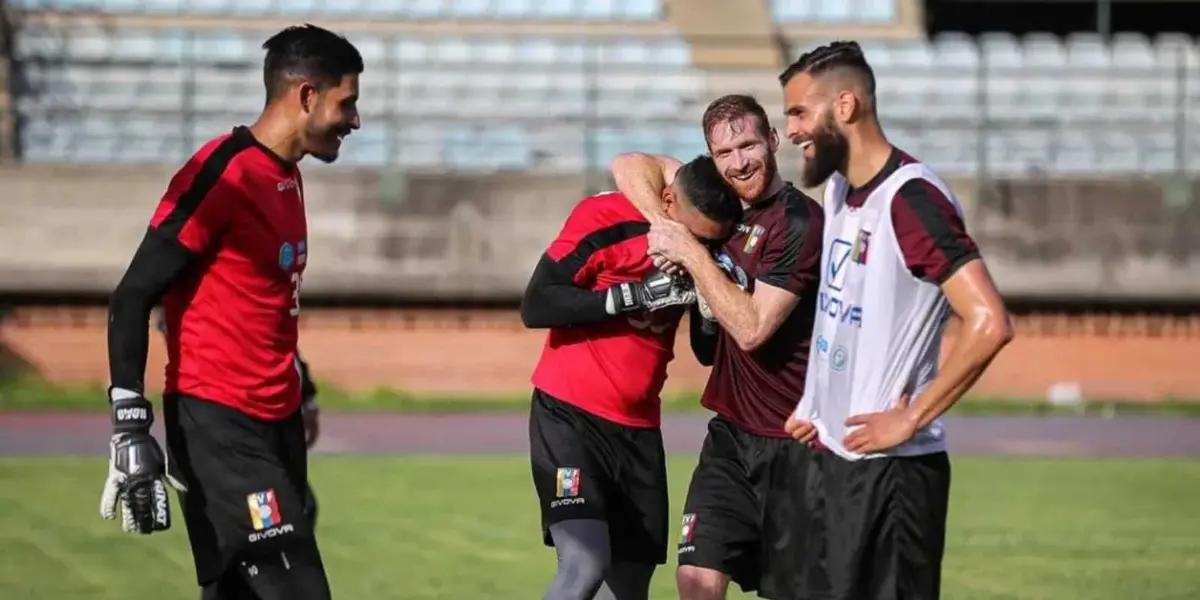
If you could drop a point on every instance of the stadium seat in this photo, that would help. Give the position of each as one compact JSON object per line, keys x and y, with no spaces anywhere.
{"x":956,"y":50}
{"x":1043,"y":50}
{"x":1066,"y":106}
{"x":1087,"y":50}
{"x":833,"y":11}
{"x":1132,"y":50}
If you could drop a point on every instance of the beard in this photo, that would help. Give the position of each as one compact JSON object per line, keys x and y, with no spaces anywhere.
{"x":751,"y":190}
{"x":830,"y":149}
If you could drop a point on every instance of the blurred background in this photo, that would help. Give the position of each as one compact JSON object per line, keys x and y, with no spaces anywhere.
{"x":1069,"y":130}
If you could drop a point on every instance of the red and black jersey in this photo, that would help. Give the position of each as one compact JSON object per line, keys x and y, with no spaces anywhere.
{"x":932,"y":236}
{"x":613,"y":367}
{"x":777,"y":243}
{"x":231,"y":317}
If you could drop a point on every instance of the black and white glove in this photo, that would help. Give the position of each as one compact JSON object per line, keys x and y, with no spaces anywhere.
{"x":656,"y":290}
{"x":136,"y":468}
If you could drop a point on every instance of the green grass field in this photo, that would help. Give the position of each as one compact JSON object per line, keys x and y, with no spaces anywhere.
{"x":32,"y":394}
{"x":434,"y":527}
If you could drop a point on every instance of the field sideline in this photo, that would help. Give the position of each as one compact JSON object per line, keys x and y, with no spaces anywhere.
{"x":466,"y":527}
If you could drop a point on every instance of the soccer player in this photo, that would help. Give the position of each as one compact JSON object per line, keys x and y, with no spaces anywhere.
{"x":761,"y":291}
{"x":225,"y":251}
{"x":595,"y":445}
{"x":897,"y":261}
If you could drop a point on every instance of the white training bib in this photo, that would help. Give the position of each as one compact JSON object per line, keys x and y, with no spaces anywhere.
{"x":878,"y":329}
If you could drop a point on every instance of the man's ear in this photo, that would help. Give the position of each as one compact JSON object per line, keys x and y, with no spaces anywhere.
{"x":308,"y":96}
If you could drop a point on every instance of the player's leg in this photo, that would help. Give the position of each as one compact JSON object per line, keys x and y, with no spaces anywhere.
{"x":912,"y":541}
{"x":885,"y":524}
{"x":719,"y":541}
{"x":627,"y":581}
{"x":310,"y":504}
{"x":582,"y":549}
{"x":570,"y":486}
{"x":244,"y":500}
{"x":638,"y":512}
{"x":293,"y":569}
{"x":229,"y":586}
{"x":792,"y":536}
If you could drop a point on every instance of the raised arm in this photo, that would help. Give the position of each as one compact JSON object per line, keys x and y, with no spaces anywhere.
{"x":641,"y":178}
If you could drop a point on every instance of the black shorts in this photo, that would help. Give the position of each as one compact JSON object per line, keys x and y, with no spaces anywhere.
{"x":585,"y":467}
{"x":245,"y":502}
{"x":882,"y":523}
{"x":739,"y":516}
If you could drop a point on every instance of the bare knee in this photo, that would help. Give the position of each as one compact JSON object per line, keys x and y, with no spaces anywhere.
{"x":698,"y":583}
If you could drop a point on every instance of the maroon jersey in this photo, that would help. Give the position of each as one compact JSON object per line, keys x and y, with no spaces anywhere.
{"x":614,"y":369}
{"x":232,"y":319}
{"x":777,"y":243}
{"x":932,"y":237}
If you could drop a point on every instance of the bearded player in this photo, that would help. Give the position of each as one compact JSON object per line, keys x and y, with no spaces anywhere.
{"x":898,"y":261}
{"x":755,"y":331}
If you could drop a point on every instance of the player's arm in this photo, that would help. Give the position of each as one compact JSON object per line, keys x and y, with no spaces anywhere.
{"x":642,"y":178}
{"x":553,"y":299}
{"x":561,"y":292}
{"x":937,"y":249}
{"x":703,"y":337}
{"x":750,"y":319}
{"x":986,"y":328}
{"x":157,"y":263}
{"x":186,"y":222}
{"x":791,"y":256}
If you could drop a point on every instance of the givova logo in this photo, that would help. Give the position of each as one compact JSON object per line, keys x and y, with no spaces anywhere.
{"x":567,"y":487}
{"x":846,"y":313}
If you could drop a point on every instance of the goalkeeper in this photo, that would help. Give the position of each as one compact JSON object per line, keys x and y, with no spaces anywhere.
{"x":595,"y":444}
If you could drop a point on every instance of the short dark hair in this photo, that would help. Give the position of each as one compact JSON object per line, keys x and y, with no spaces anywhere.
{"x":838,"y":55}
{"x":706,"y":190}
{"x":734,"y":106}
{"x":308,"y":52}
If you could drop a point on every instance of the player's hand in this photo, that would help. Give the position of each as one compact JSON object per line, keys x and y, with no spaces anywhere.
{"x":312,"y":422}
{"x":881,"y":430}
{"x":672,"y":242}
{"x":801,"y":430}
{"x":655,"y":291}
{"x":666,"y":266}
{"x":136,"y":468}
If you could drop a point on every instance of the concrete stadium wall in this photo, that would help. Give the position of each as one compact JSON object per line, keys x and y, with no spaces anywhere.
{"x":436,"y":236}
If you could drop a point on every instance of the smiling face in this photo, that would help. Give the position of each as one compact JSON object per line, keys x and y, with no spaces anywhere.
{"x":809,"y":107}
{"x":332,"y":115}
{"x":744,"y":155}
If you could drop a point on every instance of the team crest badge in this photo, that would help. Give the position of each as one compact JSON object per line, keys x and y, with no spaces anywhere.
{"x":688,"y":531}
{"x":287,"y":256}
{"x":858,"y":253}
{"x":264,"y":510}
{"x":568,"y":482}
{"x":752,"y":239}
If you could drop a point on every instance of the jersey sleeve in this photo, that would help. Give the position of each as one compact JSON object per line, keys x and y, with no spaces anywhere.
{"x":930,"y":231}
{"x":590,"y":230}
{"x":198,"y":204}
{"x":791,"y":254}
